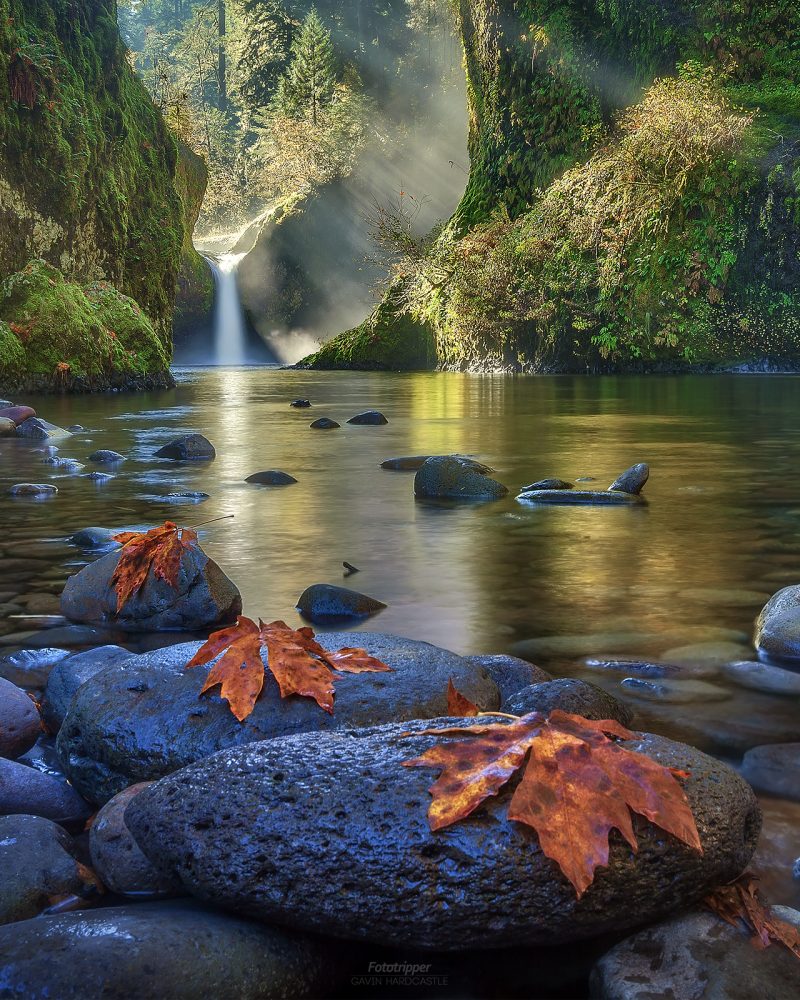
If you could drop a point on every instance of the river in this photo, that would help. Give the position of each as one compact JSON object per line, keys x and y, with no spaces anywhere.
{"x":720,"y":532}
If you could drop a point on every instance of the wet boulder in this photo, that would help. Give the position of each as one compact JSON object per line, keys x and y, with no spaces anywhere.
{"x":448,"y":477}
{"x":763,"y":677}
{"x":36,"y":490}
{"x":549,"y":484}
{"x":7,"y":427}
{"x":177,"y":949}
{"x":146,"y":718}
{"x":324,"y":424}
{"x":301,"y":404}
{"x":368,"y":417}
{"x":325,"y":604}
{"x":203,"y":598}
{"x":599,"y":498}
{"x":19,"y":414}
{"x":411,"y":463}
{"x":37,"y":429}
{"x":39,"y":867}
{"x":106,"y":457}
{"x":188,"y":448}
{"x":568,"y":694}
{"x":328,"y":831}
{"x":23,"y":789}
{"x":30,"y":668}
{"x":510,"y":673}
{"x":117,"y":858}
{"x":20,"y":726}
{"x":697,"y":957}
{"x":68,"y":675}
{"x":96,"y":539}
{"x":272,"y":477}
{"x":777,"y":633}
{"x":632,"y":480}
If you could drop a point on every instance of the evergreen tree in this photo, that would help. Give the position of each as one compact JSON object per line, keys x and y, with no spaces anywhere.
{"x":309,"y":84}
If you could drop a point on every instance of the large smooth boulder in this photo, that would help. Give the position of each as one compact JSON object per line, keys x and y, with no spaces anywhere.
{"x":162,"y":951}
{"x":777,"y":633}
{"x":510,"y":673}
{"x":774,"y":769}
{"x":68,"y":675}
{"x":324,"y":603}
{"x":632,"y":480}
{"x":203,"y":598}
{"x":448,"y":477}
{"x":7,"y":427}
{"x":20,"y":725}
{"x":39,"y":867}
{"x":24,"y":789}
{"x":695,"y":957}
{"x":568,"y":694}
{"x":146,"y":718}
{"x":37,"y":429}
{"x":188,"y":448}
{"x":19,"y":414}
{"x":328,"y":831}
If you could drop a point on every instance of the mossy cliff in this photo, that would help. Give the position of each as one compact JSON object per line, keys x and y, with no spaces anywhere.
{"x":194,"y":301}
{"x":87,"y":186}
{"x":634,"y":196}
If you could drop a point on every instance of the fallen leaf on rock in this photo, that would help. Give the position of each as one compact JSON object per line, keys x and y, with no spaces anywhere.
{"x":159,"y":549}
{"x":576,"y":785}
{"x":738,"y":903}
{"x":459,"y":704}
{"x":296,"y":660}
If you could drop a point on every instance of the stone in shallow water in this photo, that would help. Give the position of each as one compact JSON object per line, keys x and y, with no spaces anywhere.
{"x":37,"y":429}
{"x":35,"y":490}
{"x":548,"y":484}
{"x":188,"y":448}
{"x":763,"y":677}
{"x":676,"y":692}
{"x":700,"y":653}
{"x":774,"y":769}
{"x":410,"y":463}
{"x":368,"y":417}
{"x":329,"y":832}
{"x":695,"y":957}
{"x":300,"y":404}
{"x":94,"y":538}
{"x":98,"y":477}
{"x":30,"y":668}
{"x":38,"y":867}
{"x":7,"y":427}
{"x":448,"y":477}
{"x":510,"y":673}
{"x":632,"y":480}
{"x":146,"y":718}
{"x":323,"y":603}
{"x":19,"y":721}
{"x":602,"y":498}
{"x":19,"y":414}
{"x":26,"y":790}
{"x":324,"y":424}
{"x":272,"y":477}
{"x":569,"y":695}
{"x":106,"y":457}
{"x":777,"y":633}
{"x":187,"y":496}
{"x":177,"y":950}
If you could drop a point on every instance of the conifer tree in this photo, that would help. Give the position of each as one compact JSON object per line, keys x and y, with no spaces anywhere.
{"x":309,"y":83}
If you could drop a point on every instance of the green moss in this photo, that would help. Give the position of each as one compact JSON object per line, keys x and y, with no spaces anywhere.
{"x":64,"y":331}
{"x":12,"y":353}
{"x":195,"y":294}
{"x":389,"y":340}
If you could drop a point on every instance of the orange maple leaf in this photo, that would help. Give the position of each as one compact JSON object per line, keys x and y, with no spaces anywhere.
{"x":738,"y":903}
{"x":159,"y":549}
{"x":297,"y":662}
{"x":459,"y":704}
{"x":577,"y":785}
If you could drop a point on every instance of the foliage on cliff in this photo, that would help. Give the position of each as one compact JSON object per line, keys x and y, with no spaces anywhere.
{"x":86,"y":164}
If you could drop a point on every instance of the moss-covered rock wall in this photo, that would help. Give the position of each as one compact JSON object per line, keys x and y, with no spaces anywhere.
{"x":194,"y":301}
{"x":86,"y":164}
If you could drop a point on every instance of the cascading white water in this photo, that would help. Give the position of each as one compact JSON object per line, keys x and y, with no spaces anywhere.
{"x":229,"y":329}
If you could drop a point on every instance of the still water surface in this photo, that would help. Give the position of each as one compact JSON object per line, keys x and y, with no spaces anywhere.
{"x":721,"y":530}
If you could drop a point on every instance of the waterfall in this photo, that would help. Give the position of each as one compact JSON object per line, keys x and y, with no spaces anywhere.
{"x":230,"y":339}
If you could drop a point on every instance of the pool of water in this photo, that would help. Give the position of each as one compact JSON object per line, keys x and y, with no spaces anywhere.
{"x":720,"y":532}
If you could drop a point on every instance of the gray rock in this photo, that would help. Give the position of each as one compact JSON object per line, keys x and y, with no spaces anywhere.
{"x":796,"y":869}
{"x":569,"y":695}
{"x":185,"y":496}
{"x":40,"y":490}
{"x":19,"y":721}
{"x":162,"y":951}
{"x":7,"y":427}
{"x":637,"y":668}
{"x":117,"y":858}
{"x":411,"y":463}
{"x":273,"y":477}
{"x":76,"y":428}
{"x":777,"y":633}
{"x":26,"y":790}
{"x":203,"y":598}
{"x":30,"y":668}
{"x":324,"y":603}
{"x":368,"y":417}
{"x":329,"y":832}
{"x":144,"y":719}
{"x":68,"y":675}
{"x":448,"y":477}
{"x":96,"y":539}
{"x":774,"y":769}
{"x":548,"y":484}
{"x":632,"y":480}
{"x":66,"y":465}
{"x":38,"y":868}
{"x":510,"y":673}
{"x":676,"y":692}
{"x":602,"y":498}
{"x":188,"y":448}
{"x":694,"y":957}
{"x":106,"y":457}
{"x":300,"y":404}
{"x":37,"y":429}
{"x":98,"y":477}
{"x":324,"y":424}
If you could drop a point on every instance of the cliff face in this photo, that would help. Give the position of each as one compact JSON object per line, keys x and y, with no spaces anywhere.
{"x":86,"y":184}
{"x":194,"y":302}
{"x":634,"y":189}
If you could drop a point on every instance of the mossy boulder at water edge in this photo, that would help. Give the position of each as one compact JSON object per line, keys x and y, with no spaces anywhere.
{"x":58,"y":334}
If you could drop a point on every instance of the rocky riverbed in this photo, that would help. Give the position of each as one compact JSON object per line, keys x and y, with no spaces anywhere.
{"x":295,"y":841}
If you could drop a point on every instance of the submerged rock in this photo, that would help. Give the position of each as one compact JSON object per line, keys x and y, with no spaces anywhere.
{"x":39,"y":867}
{"x":580,"y":497}
{"x":676,"y":692}
{"x":324,"y":424}
{"x":177,"y":950}
{"x":328,"y":831}
{"x":98,"y":477}
{"x":33,"y":490}
{"x":323,"y":603}
{"x":188,"y":448}
{"x":510,"y":673}
{"x":777,"y":633}
{"x":549,"y":484}
{"x":763,"y":677}
{"x":273,"y":477}
{"x":632,"y":480}
{"x":26,"y":790}
{"x":695,"y":957}
{"x":411,"y":463}
{"x":203,"y":598}
{"x":368,"y":417}
{"x":569,"y":695}
{"x":449,"y":477}
{"x":96,"y":539}
{"x":146,"y":718}
{"x":300,"y":404}
{"x":20,"y":726}
{"x":106,"y":457}
{"x":774,"y":769}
